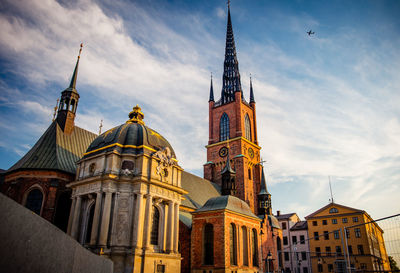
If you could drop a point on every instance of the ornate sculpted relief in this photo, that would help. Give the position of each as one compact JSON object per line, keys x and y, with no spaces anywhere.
{"x":165,"y":157}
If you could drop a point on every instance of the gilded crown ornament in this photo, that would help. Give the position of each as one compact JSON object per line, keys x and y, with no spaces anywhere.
{"x":136,"y":115}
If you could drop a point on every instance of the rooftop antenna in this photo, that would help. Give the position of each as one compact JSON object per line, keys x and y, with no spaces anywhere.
{"x":55,"y":110}
{"x":100,"y":126}
{"x":330,"y":187}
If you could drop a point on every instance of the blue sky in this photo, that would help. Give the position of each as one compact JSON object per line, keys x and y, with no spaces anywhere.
{"x":327,"y":105}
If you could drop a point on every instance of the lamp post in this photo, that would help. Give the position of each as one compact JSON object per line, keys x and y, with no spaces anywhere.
{"x":269,"y":257}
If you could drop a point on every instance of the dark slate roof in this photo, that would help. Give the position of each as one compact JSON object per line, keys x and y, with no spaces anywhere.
{"x":199,"y":190}
{"x":285,"y":216}
{"x":56,"y":150}
{"x":185,"y":218}
{"x":128,"y":138}
{"x":302,"y":225}
{"x":227,"y":202}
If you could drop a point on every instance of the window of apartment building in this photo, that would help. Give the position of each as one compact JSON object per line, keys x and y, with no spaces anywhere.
{"x":330,"y":267}
{"x":304,"y":255}
{"x":350,"y":248}
{"x":338,"y":250}
{"x":336,"y":234}
{"x":316,"y":238}
{"x":318,"y":251}
{"x":326,"y":235}
{"x":333,"y":210}
{"x":328,"y":250}
{"x":334,"y":221}
{"x":355,"y":219}
{"x":286,"y":254}
{"x":347,"y":233}
{"x":320,"y":268}
{"x":285,"y":240}
{"x":360,"y":249}
{"x":357,"y":232}
{"x":283,"y":225}
{"x":324,"y":222}
{"x":314,"y":223}
{"x":344,"y":220}
{"x":305,"y":269}
{"x":294,"y":239}
{"x":363,"y":266}
{"x":302,"y":239}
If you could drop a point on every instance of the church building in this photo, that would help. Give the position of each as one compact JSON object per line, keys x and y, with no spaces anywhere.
{"x":132,"y":202}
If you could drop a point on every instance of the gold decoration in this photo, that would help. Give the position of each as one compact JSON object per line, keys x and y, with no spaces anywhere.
{"x":136,"y":115}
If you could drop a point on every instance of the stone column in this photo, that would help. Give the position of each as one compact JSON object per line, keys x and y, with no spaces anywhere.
{"x":148,"y":220}
{"x":96,"y":219}
{"x":71,"y":215}
{"x":75,"y":221}
{"x":176,"y":227}
{"x":138,"y":224}
{"x":105,"y":223}
{"x":170,"y":227}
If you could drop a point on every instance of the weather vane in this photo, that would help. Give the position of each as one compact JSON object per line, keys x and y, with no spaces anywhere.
{"x":80,"y":50}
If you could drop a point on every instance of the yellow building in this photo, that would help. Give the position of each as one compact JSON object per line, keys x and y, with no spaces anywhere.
{"x":361,"y":250}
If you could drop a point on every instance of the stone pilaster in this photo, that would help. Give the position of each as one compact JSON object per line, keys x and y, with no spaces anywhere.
{"x":105,"y":223}
{"x":96,"y":219}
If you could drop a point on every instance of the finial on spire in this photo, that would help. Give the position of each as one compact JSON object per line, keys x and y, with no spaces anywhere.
{"x":136,"y":115}
{"x":229,"y":4}
{"x":100,"y":126}
{"x":80,"y":50}
{"x":55,"y":110}
{"x":251,"y":91}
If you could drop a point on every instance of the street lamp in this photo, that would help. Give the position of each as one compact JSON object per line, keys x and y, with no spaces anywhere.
{"x":269,"y":257}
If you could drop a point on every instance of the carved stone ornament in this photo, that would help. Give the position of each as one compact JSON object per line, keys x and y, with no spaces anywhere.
{"x":128,"y":172}
{"x":165,"y":157}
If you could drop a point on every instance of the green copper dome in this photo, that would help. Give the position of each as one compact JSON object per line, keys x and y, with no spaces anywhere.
{"x":133,"y":137}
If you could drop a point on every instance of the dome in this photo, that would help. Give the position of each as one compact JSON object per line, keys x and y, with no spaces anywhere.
{"x":227,"y":202}
{"x":133,"y":137}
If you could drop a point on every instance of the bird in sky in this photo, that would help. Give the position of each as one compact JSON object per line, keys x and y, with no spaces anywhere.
{"x":310,"y":32}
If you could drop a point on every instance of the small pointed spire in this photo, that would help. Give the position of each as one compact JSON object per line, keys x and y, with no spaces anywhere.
{"x":211,"y":90}
{"x":263,"y":189}
{"x":55,"y":110}
{"x":72,"y":85}
{"x":251,"y":91}
{"x":100,"y":126}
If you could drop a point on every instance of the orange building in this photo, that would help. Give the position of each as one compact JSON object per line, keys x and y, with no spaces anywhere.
{"x":342,"y":237}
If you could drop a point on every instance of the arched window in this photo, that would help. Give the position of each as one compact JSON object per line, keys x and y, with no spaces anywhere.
{"x":89,"y":224}
{"x":233,"y":244}
{"x":249,"y":173}
{"x":92,"y":169}
{"x":245,"y":246}
{"x":71,"y":106}
{"x":247,"y":127}
{"x":34,"y":201}
{"x":333,"y":210}
{"x":255,"y":247}
{"x":154,"y":226}
{"x":208,"y":244}
{"x":224,"y":127}
{"x":66,"y":104}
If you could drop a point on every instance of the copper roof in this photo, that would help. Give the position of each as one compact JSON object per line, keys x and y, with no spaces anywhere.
{"x":56,"y":150}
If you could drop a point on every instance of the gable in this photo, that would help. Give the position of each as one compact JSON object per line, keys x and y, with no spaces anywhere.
{"x":333,"y":209}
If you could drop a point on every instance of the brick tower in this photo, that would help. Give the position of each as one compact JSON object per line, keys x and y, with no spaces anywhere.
{"x":232,"y":125}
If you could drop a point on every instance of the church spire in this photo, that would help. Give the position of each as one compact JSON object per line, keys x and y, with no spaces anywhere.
{"x":211,"y":91}
{"x":231,"y":77}
{"x":72,"y":84}
{"x":69,"y":102}
{"x":251,"y":92}
{"x":264,"y":197}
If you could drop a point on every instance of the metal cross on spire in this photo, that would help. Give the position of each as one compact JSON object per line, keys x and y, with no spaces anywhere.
{"x":55,"y":110}
{"x":100,"y":126}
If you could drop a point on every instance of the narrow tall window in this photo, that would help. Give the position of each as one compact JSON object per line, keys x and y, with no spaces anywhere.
{"x":208,"y":244}
{"x":233,"y":244}
{"x":89,"y":223}
{"x":255,"y":247}
{"x":247,"y":127}
{"x":154,"y":226}
{"x":245,"y":246}
{"x":224,"y":127}
{"x":34,"y":201}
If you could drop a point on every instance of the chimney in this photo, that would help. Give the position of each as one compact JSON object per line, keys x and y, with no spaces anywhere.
{"x":278,"y":213}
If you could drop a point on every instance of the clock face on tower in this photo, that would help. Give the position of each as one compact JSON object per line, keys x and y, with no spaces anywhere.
{"x":223,"y":152}
{"x":251,"y":153}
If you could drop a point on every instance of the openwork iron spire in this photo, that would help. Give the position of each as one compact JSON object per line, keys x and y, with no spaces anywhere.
{"x":231,"y":77}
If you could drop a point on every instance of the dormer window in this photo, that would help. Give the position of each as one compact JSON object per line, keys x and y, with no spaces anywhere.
{"x":333,"y":210}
